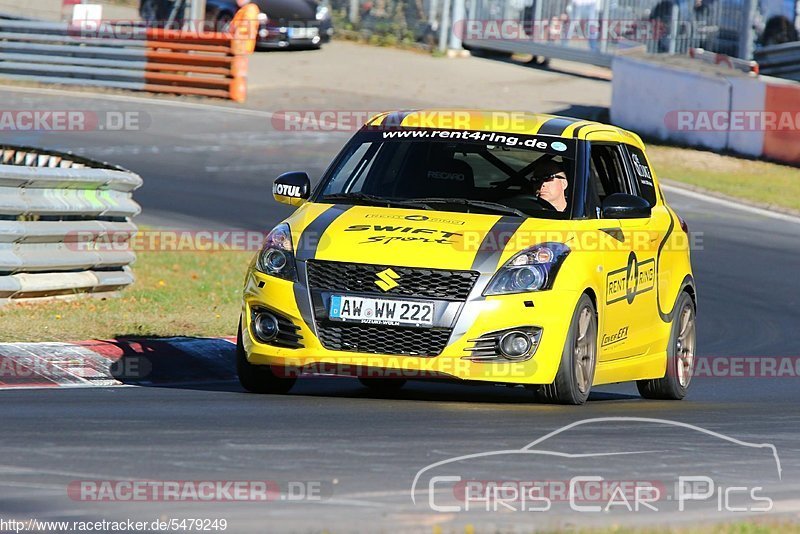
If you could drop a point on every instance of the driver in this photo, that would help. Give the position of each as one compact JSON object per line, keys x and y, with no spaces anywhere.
{"x":549,"y":183}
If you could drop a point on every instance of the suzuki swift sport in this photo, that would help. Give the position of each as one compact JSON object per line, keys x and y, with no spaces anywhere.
{"x":509,"y":248}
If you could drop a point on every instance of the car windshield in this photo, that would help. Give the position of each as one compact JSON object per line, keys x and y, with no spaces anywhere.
{"x":451,"y":170}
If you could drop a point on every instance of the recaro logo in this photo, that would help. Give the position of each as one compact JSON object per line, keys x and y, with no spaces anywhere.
{"x":387,"y":280}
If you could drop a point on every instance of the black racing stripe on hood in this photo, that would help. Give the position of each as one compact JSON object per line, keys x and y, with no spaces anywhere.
{"x":395,"y":119}
{"x":307,"y":250}
{"x":311,"y":236}
{"x":493,"y":244}
{"x":556,"y":126}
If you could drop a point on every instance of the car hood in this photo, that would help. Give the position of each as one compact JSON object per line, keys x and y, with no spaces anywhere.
{"x":289,"y":10}
{"x":412,"y":238}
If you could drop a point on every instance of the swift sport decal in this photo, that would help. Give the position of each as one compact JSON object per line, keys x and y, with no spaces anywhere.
{"x":390,"y":233}
{"x":634,"y":279}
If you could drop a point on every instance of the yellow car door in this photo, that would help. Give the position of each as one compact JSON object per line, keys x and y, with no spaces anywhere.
{"x":628,"y":259}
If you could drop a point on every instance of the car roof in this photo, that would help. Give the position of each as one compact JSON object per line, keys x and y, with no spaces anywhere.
{"x":511,"y":122}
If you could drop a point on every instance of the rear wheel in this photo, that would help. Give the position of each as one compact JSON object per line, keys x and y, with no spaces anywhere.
{"x":258,"y":378}
{"x":680,"y":355}
{"x":578,"y":360}
{"x":383,"y":385}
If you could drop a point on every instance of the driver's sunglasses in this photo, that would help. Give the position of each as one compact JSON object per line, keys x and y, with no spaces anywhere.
{"x":553,"y":177}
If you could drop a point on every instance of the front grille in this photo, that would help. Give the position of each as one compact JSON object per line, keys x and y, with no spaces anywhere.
{"x":412,"y":282}
{"x":384,"y":339}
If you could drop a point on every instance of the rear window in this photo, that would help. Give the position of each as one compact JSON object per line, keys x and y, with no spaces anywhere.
{"x":643,"y":175}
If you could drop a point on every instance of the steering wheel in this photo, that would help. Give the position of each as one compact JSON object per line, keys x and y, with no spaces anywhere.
{"x":525,"y":201}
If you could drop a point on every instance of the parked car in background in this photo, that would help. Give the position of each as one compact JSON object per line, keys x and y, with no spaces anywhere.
{"x":282,"y":23}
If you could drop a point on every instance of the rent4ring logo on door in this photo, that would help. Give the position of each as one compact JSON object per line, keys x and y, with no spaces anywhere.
{"x":636,"y":278}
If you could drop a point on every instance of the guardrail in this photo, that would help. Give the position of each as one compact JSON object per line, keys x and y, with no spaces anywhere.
{"x":54,"y":208}
{"x":781,"y":61}
{"x":711,"y":58}
{"x":131,"y":56}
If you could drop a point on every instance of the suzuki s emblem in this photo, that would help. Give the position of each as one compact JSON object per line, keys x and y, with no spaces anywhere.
{"x":387,"y":280}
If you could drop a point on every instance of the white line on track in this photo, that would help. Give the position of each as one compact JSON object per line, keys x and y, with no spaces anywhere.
{"x":731,"y":204}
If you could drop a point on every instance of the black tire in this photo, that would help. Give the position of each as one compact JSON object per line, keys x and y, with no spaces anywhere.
{"x":259,"y":378}
{"x":383,"y":385}
{"x":539,"y":61}
{"x":578,"y":358}
{"x":680,"y":355}
{"x":487,"y":52}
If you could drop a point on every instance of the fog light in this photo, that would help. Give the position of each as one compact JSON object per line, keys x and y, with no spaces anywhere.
{"x":265,"y":326}
{"x":515,"y":345}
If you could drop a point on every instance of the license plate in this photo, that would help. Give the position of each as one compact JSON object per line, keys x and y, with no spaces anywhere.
{"x":381,"y":311}
{"x":303,"y":33}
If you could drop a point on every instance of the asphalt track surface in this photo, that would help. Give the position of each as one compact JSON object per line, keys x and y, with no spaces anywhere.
{"x":212,"y":169}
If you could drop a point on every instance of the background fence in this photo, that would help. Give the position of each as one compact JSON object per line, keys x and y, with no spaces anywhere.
{"x":131,"y":56}
{"x":53,"y":209}
{"x":558,"y":28}
{"x":593,"y":31}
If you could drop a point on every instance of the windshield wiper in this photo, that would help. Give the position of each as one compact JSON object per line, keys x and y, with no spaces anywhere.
{"x":375,"y":200}
{"x":483,"y":204}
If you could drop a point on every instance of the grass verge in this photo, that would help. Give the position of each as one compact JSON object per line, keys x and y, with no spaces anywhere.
{"x":175,"y":294}
{"x":757,"y":182}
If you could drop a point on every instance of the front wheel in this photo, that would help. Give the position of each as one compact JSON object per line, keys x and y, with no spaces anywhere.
{"x":680,"y":355}
{"x":578,"y":360}
{"x":258,"y":378}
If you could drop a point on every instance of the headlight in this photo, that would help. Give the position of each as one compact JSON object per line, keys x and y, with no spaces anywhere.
{"x":277,"y":256}
{"x":322,"y":11}
{"x":533,"y":269}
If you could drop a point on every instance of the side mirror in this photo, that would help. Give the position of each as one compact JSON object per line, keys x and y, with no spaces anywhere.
{"x":624,"y":206}
{"x":292,"y":188}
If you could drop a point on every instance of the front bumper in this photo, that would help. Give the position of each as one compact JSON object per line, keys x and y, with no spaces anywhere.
{"x":551,"y":311}
{"x":277,"y":37}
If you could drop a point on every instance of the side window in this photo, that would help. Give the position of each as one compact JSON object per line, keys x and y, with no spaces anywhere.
{"x":643,"y":175}
{"x":607,"y":175}
{"x":609,"y":169}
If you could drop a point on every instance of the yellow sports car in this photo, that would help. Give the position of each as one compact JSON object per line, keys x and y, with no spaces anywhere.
{"x":510,"y":248}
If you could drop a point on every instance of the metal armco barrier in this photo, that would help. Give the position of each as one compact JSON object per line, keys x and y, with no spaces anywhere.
{"x":710,"y":58}
{"x":128,"y":56}
{"x":781,"y":61}
{"x":54,"y":208}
